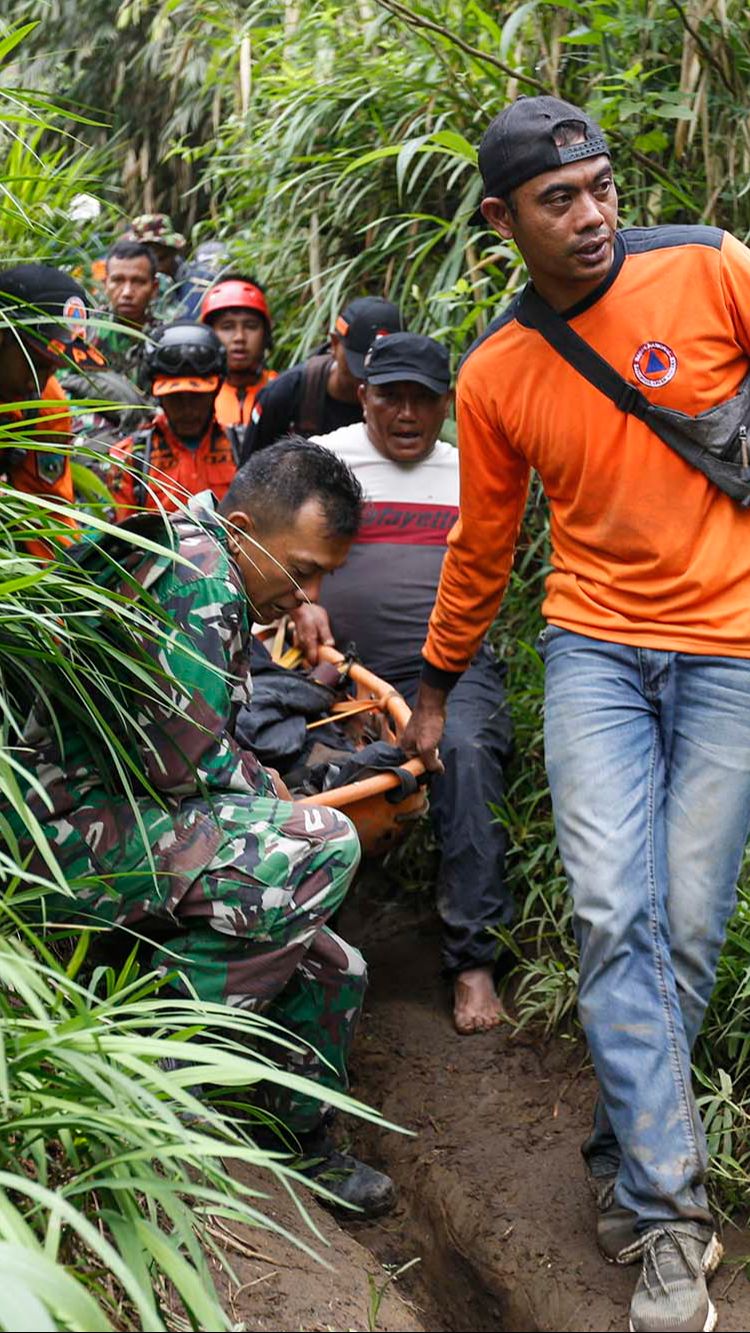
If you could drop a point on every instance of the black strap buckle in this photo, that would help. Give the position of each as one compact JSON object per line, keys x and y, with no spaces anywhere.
{"x":631,"y":400}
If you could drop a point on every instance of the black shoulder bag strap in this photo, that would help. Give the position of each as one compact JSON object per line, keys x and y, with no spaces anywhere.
{"x":715,"y":442}
{"x":235,"y":435}
{"x":581,"y":355}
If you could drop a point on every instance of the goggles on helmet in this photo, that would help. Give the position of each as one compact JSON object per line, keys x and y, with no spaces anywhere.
{"x":186,"y":349}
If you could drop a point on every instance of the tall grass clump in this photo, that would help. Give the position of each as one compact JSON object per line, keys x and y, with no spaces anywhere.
{"x":334,"y":144}
{"x":116,"y":1176}
{"x":125,"y":1112}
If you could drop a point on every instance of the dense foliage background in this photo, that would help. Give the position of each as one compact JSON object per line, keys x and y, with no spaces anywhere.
{"x":123,"y":1119}
{"x":331,"y":144}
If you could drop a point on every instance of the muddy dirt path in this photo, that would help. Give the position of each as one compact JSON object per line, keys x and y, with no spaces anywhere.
{"x":278,"y":1286}
{"x":493,"y":1198}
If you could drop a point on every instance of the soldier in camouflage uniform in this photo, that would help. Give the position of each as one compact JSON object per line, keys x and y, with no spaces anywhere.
{"x":131,"y":288}
{"x":231,"y":882}
{"x":182,"y":283}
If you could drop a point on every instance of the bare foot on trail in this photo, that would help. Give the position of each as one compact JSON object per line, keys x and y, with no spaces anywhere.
{"x":476,"y":1007}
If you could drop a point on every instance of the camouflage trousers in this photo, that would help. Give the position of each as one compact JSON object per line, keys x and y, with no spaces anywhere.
{"x":240,"y":890}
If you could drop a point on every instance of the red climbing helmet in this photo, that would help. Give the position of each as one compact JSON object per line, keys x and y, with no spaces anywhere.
{"x":234,"y":294}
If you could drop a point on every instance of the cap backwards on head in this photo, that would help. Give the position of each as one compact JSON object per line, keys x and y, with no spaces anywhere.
{"x":520,"y":142}
{"x":408,"y":356}
{"x":360,"y":322}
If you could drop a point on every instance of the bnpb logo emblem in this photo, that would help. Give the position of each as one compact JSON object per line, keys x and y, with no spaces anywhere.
{"x":654,"y":364}
{"x":74,"y":314}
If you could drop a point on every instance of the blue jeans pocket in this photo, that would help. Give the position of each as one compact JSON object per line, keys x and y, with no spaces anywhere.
{"x":544,"y":639}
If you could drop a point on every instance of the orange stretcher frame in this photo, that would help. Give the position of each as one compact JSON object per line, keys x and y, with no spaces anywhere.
{"x":381,"y":818}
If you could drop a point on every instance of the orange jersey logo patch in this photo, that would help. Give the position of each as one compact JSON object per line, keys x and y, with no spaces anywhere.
{"x":654,"y":364}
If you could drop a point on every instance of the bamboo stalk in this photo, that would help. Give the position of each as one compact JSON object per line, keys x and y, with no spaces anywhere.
{"x":246,"y":74}
{"x":314,"y":251}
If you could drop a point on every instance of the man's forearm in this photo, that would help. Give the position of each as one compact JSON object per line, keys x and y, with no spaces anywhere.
{"x":425,"y":727}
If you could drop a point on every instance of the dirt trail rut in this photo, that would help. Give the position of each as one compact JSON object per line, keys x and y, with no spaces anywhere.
{"x":493,"y":1198}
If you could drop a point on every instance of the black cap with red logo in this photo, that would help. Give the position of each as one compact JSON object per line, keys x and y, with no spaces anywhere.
{"x":48,"y":309}
{"x":360,"y":323}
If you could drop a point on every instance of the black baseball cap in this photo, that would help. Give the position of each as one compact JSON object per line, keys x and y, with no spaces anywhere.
{"x":360,"y":323}
{"x":48,"y":309}
{"x":408,"y":356}
{"x":520,"y":142}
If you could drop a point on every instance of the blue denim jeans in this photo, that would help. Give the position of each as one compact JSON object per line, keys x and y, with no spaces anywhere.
{"x":648,"y":756}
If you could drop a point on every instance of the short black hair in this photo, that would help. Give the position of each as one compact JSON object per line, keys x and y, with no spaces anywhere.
{"x":275,"y":483}
{"x":133,"y":250}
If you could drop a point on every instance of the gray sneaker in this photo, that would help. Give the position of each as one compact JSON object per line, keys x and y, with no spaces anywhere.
{"x":671,"y":1294}
{"x":615,"y":1226}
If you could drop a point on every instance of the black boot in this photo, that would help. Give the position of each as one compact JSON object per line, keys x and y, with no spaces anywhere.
{"x":351,"y":1181}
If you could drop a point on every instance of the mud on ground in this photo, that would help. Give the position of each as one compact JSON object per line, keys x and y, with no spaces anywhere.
{"x":493,"y":1198}
{"x":280,"y":1287}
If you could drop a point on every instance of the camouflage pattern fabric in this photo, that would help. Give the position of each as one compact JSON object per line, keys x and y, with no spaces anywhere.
{"x":124,"y":350}
{"x":236,"y":882}
{"x":181,"y":294}
{"x":155,"y":229}
{"x":246,"y":928}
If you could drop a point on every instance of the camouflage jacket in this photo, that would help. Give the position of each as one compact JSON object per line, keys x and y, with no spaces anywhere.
{"x":125,"y":350}
{"x":183,"y":739}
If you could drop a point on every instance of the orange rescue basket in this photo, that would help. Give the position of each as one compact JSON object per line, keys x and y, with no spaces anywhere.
{"x":382,"y":807}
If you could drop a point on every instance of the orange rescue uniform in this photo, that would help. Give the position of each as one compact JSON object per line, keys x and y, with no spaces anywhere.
{"x":39,"y":473}
{"x":646,"y":551}
{"x":154,"y":467}
{"x":36,"y":472}
{"x":234,"y":403}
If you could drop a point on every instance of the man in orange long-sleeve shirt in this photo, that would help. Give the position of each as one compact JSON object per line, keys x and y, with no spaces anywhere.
{"x":647,"y":649}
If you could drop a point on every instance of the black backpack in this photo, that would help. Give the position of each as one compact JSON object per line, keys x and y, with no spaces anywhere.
{"x":311,"y":410}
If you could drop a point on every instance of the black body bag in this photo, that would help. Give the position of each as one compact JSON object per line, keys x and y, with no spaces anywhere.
{"x":715,"y":441}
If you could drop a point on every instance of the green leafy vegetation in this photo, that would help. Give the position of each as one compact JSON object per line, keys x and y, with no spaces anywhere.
{"x":332,"y":146}
{"x":126,"y":1112}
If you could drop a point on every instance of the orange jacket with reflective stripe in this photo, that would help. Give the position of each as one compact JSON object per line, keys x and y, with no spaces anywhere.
{"x":234,"y":403}
{"x":154,"y":467}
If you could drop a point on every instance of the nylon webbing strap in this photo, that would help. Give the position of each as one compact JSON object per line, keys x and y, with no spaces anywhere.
{"x":538,"y":315}
{"x":715,"y":442}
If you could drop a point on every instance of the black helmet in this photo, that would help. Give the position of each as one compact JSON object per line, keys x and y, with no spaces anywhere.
{"x":185,"y":348}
